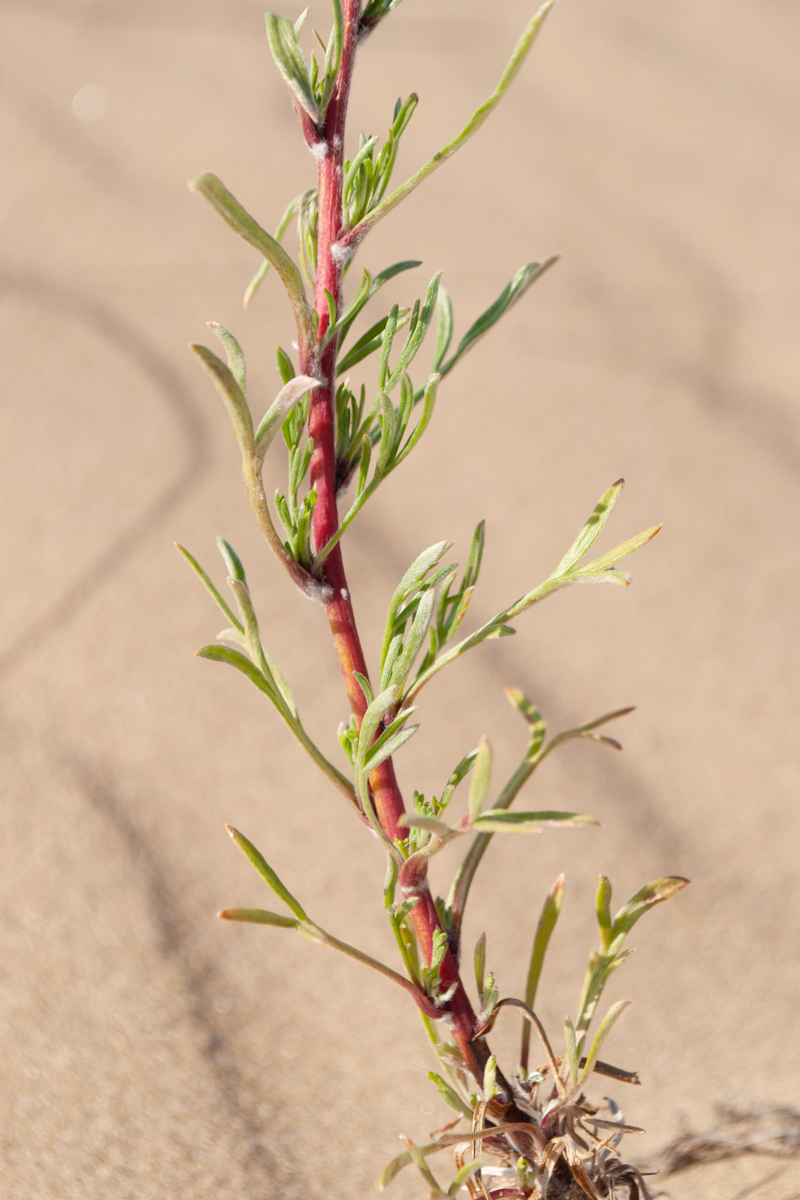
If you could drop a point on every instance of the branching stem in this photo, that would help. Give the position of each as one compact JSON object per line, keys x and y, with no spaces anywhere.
{"x":328,"y":146}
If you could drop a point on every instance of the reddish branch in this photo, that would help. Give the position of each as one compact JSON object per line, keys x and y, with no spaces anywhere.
{"x":327,"y":143}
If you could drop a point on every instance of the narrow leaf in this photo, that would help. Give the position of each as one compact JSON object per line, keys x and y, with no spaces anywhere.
{"x":512,"y":292}
{"x":234,"y":658}
{"x":544,"y":929}
{"x":462,"y":770}
{"x":388,"y":748}
{"x":231,"y":394}
{"x":647,"y":897}
{"x":500,"y":821}
{"x":290,"y":62}
{"x":263,"y":270}
{"x":450,"y":1097}
{"x":534,"y":718}
{"x":603,"y":912}
{"x":232,"y":561}
{"x":464,"y":1173}
{"x":235,"y":622}
{"x":606,"y":561}
{"x":372,"y":719}
{"x":444,"y":328}
{"x":480,"y":962}
{"x":418,"y":1159}
{"x":234,"y":353}
{"x":605,"y":1029}
{"x":213,"y":190}
{"x":266,"y":872}
{"x":403,"y":1160}
{"x":411,"y":580}
{"x":289,"y":395}
{"x":592,"y":529}
{"x":473,"y":124}
{"x":480,"y":780}
{"x":416,"y":636}
{"x":429,"y":824}
{"x":547,"y":923}
{"x":572,"y":1050}
{"x":258,"y":916}
{"x":490,"y":1078}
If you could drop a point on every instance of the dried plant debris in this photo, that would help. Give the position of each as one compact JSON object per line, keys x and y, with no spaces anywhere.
{"x":761,"y":1129}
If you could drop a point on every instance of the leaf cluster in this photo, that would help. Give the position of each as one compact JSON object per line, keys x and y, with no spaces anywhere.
{"x":310,"y":85}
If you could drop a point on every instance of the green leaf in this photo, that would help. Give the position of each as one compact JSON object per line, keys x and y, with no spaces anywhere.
{"x":585,"y":731}
{"x":356,"y":235}
{"x":472,"y":567}
{"x":391,"y":729}
{"x":364,"y":151}
{"x":234,"y":353}
{"x":490,"y":1079}
{"x":372,"y":337}
{"x":263,"y":270}
{"x":534,"y":718}
{"x":392,"y":1169}
{"x":300,"y":22}
{"x":602,"y":904}
{"x":343,"y":323}
{"x":366,"y":344}
{"x":333,"y":57}
{"x":266,"y":872}
{"x":450,"y":1097}
{"x":592,"y":529}
{"x":480,"y":962}
{"x":418,"y":1159}
{"x":460,"y":773}
{"x":428,"y":404}
{"x":444,"y":328}
{"x":414,"y":639}
{"x":512,"y":292}
{"x":374,"y":12}
{"x":500,"y":821}
{"x":428,"y":824}
{"x":234,"y":658}
{"x":646,"y":898}
{"x":605,"y":1029}
{"x":387,"y":341}
{"x":231,"y":393}
{"x":572,"y":1050}
{"x":388,"y":748}
{"x":289,"y":395}
{"x":284,"y":365}
{"x":258,"y":916}
{"x":544,"y":930}
{"x":602,"y":566}
{"x":417,"y":334}
{"x":213,"y":190}
{"x":388,"y":273}
{"x":373,"y":717}
{"x":411,"y":581}
{"x":439,"y":949}
{"x":232,"y":561}
{"x":290,"y":62}
{"x":363,"y":466}
{"x":480,"y":781}
{"x":235,"y":622}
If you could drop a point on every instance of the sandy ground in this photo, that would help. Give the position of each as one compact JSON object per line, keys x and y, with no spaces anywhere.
{"x":149,"y":1051}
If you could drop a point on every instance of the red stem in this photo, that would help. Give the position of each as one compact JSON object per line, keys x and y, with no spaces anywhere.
{"x":328,"y":145}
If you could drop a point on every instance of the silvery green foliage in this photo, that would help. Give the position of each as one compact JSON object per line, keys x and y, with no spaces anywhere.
{"x":354,"y":365}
